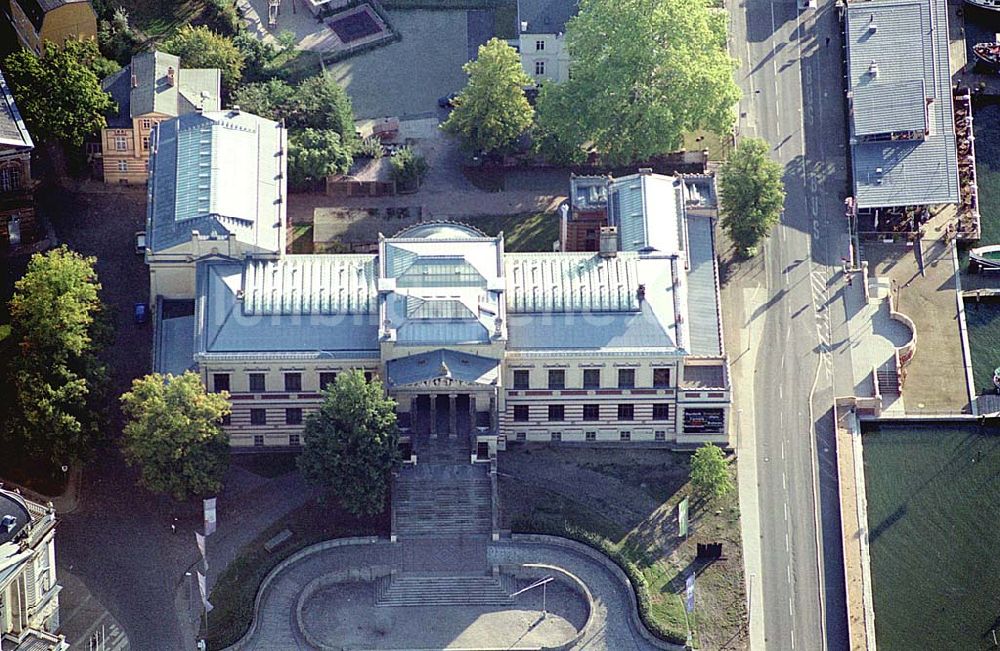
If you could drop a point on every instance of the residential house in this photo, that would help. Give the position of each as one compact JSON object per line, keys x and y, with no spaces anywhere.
{"x":29,"y":592}
{"x":17,"y":206}
{"x":37,"y":21}
{"x":152,"y":88}
{"x":541,"y":29}
{"x":618,"y":345}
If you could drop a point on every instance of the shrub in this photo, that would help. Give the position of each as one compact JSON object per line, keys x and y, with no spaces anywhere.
{"x":408,"y":168}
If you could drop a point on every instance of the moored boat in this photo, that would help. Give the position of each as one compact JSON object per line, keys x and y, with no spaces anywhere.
{"x":985,"y":258}
{"x":992,"y":5}
{"x":988,"y":53}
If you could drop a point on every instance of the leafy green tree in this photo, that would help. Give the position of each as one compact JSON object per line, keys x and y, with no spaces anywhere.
{"x":710,"y":472}
{"x":313,"y":154}
{"x":351,"y":443}
{"x":644,"y":73}
{"x":56,"y":378}
{"x":200,"y":47}
{"x":174,"y":434}
{"x":321,"y":103}
{"x":257,"y":54}
{"x":492,"y":111}
{"x":751,"y":194}
{"x":116,"y":36}
{"x":408,"y":168}
{"x":59,"y":94}
{"x":269,"y":99}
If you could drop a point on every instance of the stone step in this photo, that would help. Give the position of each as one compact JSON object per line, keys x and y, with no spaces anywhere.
{"x":408,"y":590}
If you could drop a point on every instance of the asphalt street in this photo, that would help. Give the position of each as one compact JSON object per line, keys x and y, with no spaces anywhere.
{"x":792,"y":79}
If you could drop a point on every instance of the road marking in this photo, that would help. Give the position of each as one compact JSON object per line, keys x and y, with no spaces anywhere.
{"x":791,"y":608}
{"x":786,"y":511}
{"x":787,"y":546}
{"x":784,"y":486}
{"x":782,"y":449}
{"x":792,"y":631}
{"x":789,"y":572}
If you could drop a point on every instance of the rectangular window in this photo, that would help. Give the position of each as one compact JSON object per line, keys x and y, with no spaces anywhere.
{"x":147,"y":123}
{"x":661,"y":378}
{"x":123,"y":166}
{"x":220,"y":382}
{"x":626,"y":435}
{"x":145,"y":143}
{"x":258,"y":440}
{"x":368,"y":376}
{"x":539,"y":46}
{"x":591,"y":436}
{"x":10,"y":178}
{"x":227,"y":420}
{"x":121,"y":143}
{"x":293,"y":382}
{"x":258,"y":417}
{"x":257,"y":384}
{"x":521,"y":436}
{"x":521,"y":379}
{"x":293,"y":416}
{"x":661,"y":411}
{"x":626,"y":412}
{"x":539,"y":68}
{"x":556,"y":436}
{"x":591,"y":378}
{"x":660,"y":435}
{"x":557,"y":379}
{"x":293,"y":440}
{"x":327,"y":379}
{"x":591,"y":412}
{"x":556,"y":412}
{"x":626,"y":378}
{"x":520,"y":413}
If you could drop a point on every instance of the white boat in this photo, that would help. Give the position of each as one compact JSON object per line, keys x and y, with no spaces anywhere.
{"x":992,"y":5}
{"x":985,"y":258}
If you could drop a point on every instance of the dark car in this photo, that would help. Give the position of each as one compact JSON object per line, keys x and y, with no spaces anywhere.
{"x":141,"y":313}
{"x":448,"y":101}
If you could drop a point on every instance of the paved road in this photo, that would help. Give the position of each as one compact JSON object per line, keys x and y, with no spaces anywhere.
{"x":791,"y":75}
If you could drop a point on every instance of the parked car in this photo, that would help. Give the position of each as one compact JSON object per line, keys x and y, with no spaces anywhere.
{"x":141,"y":313}
{"x":448,"y":101}
{"x":140,"y":242}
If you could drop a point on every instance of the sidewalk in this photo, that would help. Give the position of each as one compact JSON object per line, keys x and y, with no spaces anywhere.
{"x":84,"y":620}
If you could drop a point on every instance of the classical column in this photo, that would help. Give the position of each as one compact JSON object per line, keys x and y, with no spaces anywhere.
{"x":472,"y":411}
{"x":433,"y":414}
{"x":493,"y":413}
{"x":452,"y":415}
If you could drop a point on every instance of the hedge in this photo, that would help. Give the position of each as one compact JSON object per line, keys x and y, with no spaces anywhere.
{"x":639,"y":585}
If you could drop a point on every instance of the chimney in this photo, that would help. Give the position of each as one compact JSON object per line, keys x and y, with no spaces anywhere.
{"x":235,"y":110}
{"x":171,"y":76}
{"x":609,"y":241}
{"x":645,"y":171}
{"x":641,"y":293}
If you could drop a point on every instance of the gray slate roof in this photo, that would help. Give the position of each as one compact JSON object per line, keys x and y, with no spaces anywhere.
{"x":648,"y":210}
{"x":13,"y":133}
{"x":193,"y":88}
{"x":216,"y":173}
{"x":545,"y":16}
{"x":441,"y":363}
{"x":909,"y":45}
{"x":703,"y":288}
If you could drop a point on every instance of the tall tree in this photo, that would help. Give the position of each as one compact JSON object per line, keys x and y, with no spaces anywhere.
{"x":57,"y":323}
{"x":313,"y":154}
{"x":351,"y":443}
{"x":492,"y":111}
{"x":644,"y":73}
{"x":174,"y":435}
{"x":710,"y":472}
{"x":751,"y":194}
{"x":320,"y":102}
{"x":59,"y":94}
{"x":200,"y":47}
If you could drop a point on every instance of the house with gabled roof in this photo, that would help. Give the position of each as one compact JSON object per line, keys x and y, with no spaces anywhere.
{"x":37,"y":21}
{"x":541,"y":32}
{"x":152,"y":88}
{"x":17,"y":205}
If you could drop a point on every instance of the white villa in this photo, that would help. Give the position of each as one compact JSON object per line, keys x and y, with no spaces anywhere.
{"x":621,"y":345}
{"x":541,"y":27}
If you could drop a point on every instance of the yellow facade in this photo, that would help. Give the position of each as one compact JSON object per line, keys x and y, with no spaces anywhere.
{"x":71,"y":20}
{"x":126,"y":151}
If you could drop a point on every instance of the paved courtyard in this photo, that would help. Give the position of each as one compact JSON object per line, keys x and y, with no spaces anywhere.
{"x":407,"y":77}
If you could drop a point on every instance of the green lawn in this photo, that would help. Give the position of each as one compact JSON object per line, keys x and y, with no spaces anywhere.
{"x":522,"y":233}
{"x":157,"y":19}
{"x":300,"y":238}
{"x":718,"y":146}
{"x":648,"y":540}
{"x":933,"y":505}
{"x":234,"y":593}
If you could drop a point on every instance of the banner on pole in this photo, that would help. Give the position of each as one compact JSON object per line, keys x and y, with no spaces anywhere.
{"x":689,"y":593}
{"x":204,"y":592}
{"x":209,"y":516}
{"x":682,"y":518}
{"x":200,"y":541}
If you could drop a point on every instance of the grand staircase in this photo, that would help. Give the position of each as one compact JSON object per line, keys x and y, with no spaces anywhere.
{"x":418,"y":590}
{"x":443,"y":500}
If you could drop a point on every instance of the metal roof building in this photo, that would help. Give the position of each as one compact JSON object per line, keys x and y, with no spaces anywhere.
{"x":903,"y":148}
